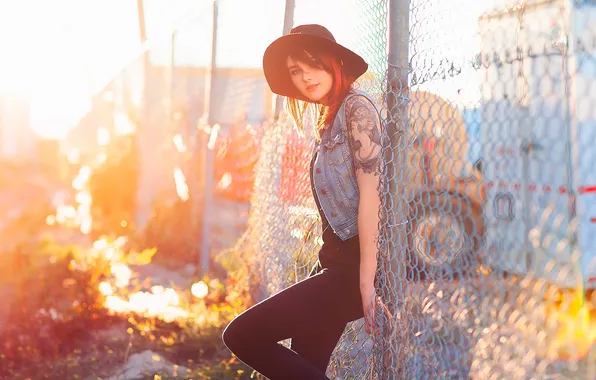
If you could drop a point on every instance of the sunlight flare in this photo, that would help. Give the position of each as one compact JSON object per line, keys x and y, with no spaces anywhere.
{"x":181,"y":186}
{"x":199,"y":289}
{"x":575,"y":327}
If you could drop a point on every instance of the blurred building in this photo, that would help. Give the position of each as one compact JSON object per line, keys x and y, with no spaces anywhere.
{"x":17,"y":138}
{"x":473,"y":121}
{"x":538,"y":130}
{"x":238,"y":93}
{"x":160,"y":104}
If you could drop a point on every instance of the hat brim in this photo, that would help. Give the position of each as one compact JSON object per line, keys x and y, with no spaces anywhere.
{"x":276,"y":54}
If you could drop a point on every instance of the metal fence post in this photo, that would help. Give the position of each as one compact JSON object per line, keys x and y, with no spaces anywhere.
{"x":144,"y":194}
{"x":208,"y":208}
{"x":171,"y":82}
{"x":212,"y":131}
{"x":288,"y":23}
{"x":396,"y":199}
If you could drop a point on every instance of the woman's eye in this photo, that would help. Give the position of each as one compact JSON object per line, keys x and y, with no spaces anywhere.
{"x":294,"y":72}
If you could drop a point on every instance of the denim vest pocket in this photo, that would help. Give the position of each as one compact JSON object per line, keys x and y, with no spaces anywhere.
{"x":335,"y":150}
{"x":340,"y":175}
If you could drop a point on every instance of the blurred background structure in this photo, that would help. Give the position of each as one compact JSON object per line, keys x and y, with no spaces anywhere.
{"x":153,"y":120}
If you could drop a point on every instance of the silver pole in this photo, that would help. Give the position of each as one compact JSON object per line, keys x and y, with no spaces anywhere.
{"x":171,"y":80}
{"x":145,"y":193}
{"x":141,"y":17}
{"x":211,"y":130}
{"x":396,"y":196}
{"x":210,"y":73}
{"x":288,"y":23}
{"x":208,"y":206}
{"x":573,"y":152}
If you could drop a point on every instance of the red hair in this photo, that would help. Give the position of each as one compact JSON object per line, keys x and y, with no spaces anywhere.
{"x":342,"y":84}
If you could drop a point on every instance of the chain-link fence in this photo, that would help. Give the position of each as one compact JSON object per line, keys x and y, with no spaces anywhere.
{"x":470,"y":287}
{"x":486,"y":253}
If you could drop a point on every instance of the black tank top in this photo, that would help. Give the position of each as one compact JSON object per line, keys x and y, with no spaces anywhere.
{"x":335,"y":252}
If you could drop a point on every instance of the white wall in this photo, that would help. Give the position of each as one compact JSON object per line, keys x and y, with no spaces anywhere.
{"x":584,"y":150}
{"x":526,"y":102}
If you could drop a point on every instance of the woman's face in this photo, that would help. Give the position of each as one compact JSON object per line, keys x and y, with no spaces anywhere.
{"x":359,"y":135}
{"x":361,"y":126}
{"x":312,"y":82}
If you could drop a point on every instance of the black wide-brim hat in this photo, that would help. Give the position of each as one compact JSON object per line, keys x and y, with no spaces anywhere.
{"x":316,"y":36}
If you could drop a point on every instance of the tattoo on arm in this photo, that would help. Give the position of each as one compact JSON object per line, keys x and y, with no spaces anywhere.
{"x":363,"y":123}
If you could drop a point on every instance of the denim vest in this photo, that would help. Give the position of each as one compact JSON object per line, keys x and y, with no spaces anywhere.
{"x":334,"y":177}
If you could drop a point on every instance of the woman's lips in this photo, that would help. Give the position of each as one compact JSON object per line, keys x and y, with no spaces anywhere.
{"x":312,"y":87}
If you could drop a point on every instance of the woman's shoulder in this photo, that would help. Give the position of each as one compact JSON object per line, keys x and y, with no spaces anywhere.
{"x":361,"y":105}
{"x":359,"y":98}
{"x":356,"y":96}
{"x":358,"y":93}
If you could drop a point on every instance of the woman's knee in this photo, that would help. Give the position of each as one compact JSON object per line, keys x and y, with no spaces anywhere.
{"x":235,"y":335}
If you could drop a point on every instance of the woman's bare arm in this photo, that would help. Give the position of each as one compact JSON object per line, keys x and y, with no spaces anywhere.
{"x":363,"y":122}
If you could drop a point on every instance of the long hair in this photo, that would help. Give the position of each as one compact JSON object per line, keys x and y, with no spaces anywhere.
{"x":342,"y":84}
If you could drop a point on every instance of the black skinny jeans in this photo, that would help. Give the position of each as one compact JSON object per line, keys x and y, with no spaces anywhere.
{"x":313,"y":312}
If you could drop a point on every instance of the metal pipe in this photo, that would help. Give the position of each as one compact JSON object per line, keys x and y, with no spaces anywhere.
{"x":145,"y":186}
{"x":141,"y":16}
{"x":208,"y":200}
{"x":288,"y":23}
{"x":208,"y":154}
{"x":210,"y":72}
{"x":572,"y":134}
{"x":171,"y":79}
{"x":396,"y":191}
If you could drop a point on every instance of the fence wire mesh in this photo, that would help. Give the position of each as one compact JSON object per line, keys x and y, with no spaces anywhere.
{"x":467,"y":281}
{"x":486,"y":251}
{"x":488,"y":238}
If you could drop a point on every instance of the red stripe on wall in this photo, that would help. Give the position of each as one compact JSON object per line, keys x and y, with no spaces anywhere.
{"x":541,"y":188}
{"x":586,"y":189}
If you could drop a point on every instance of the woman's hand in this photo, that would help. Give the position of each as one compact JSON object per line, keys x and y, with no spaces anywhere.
{"x":369,"y":305}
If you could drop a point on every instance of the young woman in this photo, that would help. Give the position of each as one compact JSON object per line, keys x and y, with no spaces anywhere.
{"x":309,"y":67}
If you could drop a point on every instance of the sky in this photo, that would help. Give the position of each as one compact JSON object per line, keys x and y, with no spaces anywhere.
{"x":56,"y":53}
